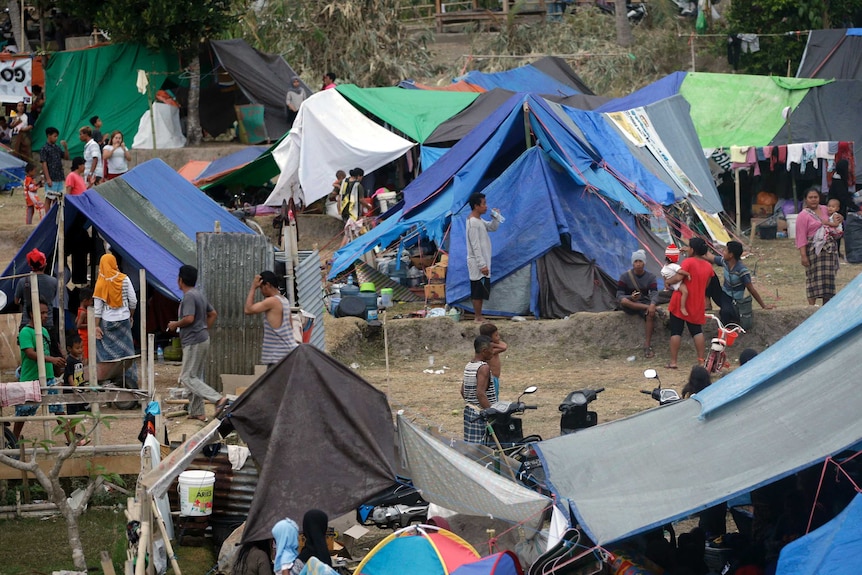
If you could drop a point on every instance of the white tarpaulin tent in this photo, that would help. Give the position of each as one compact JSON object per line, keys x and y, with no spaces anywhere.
{"x":790,"y":407}
{"x":456,"y":482}
{"x":328,"y":135}
{"x":168,"y":131}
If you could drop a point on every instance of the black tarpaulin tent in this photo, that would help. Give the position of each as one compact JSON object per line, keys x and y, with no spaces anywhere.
{"x":322,"y":437}
{"x":832,"y":54}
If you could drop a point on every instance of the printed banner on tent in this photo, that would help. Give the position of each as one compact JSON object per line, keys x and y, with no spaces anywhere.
{"x":16,"y":75}
{"x":637,"y":127}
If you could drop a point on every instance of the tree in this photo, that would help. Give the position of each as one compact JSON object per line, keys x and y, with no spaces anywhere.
{"x":624,"y":29}
{"x":180,"y":25}
{"x":50,"y":481}
{"x":13,"y":7}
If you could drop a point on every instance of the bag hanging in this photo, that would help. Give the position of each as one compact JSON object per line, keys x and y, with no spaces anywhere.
{"x":745,"y":312}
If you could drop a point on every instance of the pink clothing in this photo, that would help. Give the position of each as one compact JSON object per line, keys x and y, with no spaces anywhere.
{"x":75,"y":184}
{"x":19,"y":393}
{"x":807,"y":225}
{"x":329,"y":86}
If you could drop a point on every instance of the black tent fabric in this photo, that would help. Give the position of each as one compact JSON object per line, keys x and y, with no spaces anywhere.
{"x":570,"y":282}
{"x":558,"y":69}
{"x":832,"y":112}
{"x":263,"y":78}
{"x":832,"y":54}
{"x":463,"y":122}
{"x":321,"y":435}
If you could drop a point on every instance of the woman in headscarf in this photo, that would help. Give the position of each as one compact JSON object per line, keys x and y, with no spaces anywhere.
{"x":314,"y":526}
{"x":286,"y":535}
{"x":114,"y":303}
{"x":254,"y":558}
{"x":295,"y":96}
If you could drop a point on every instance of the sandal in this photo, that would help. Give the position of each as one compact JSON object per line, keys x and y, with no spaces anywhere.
{"x":201,"y":418}
{"x":669,"y":366}
{"x":648,"y":352}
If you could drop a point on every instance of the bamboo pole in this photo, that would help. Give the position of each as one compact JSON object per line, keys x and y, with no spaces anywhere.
{"x":36,"y":318}
{"x":143,"y":367}
{"x":164,"y":531}
{"x":95,"y":408}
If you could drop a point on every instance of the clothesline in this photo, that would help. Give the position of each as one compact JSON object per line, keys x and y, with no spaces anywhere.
{"x":791,"y":33}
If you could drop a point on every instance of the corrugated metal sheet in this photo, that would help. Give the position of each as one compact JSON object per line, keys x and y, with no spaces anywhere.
{"x":233,"y":490}
{"x":227,"y":263}
{"x":309,"y":291}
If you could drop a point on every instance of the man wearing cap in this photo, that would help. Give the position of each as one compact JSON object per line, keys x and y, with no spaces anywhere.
{"x":47,"y":292}
{"x":294,"y":99}
{"x":278,"y":339}
{"x":637,"y":293}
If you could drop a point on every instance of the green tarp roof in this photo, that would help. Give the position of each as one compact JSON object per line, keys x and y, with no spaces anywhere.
{"x":256,"y":173}
{"x":416,"y":113}
{"x":740,"y":110}
{"x":100,"y":82}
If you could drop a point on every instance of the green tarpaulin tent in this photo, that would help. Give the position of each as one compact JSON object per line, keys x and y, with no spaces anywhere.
{"x":416,"y":113}
{"x":742,"y":110}
{"x":255,"y":173}
{"x":100,"y":82}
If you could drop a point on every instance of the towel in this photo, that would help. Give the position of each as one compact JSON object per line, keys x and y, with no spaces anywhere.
{"x":237,"y":455}
{"x":794,"y":154}
{"x":19,"y":393}
{"x":823,"y":150}
{"x":738,"y":153}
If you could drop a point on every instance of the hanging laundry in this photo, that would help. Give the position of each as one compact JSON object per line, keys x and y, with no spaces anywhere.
{"x":734,"y":49}
{"x":750,"y":43}
{"x":794,"y":155}
{"x":822,"y":150}
{"x":807,"y":155}
{"x":737,"y":154}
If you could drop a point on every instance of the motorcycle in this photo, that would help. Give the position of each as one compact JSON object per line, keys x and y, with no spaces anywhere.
{"x":394,"y":508}
{"x":662,"y":396}
{"x":716,"y":359}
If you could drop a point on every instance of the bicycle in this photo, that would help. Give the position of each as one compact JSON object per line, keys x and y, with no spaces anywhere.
{"x":716,"y":359}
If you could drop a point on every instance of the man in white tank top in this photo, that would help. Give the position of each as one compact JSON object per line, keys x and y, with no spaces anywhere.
{"x":278,"y":338}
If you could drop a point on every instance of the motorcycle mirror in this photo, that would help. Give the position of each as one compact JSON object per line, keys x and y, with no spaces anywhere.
{"x":531,"y":389}
{"x":650,"y":374}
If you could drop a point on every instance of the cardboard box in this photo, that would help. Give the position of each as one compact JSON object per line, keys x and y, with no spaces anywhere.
{"x":435,"y":293}
{"x":761,"y":211}
{"x":436,"y":274}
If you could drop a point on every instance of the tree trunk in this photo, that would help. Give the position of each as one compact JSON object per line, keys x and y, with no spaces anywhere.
{"x":193,"y":120}
{"x":14,"y":7}
{"x":624,"y":29}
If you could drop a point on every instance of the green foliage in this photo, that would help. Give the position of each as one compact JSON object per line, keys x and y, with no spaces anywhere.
{"x":778,"y":54}
{"x":361,"y":41}
{"x":178,"y":24}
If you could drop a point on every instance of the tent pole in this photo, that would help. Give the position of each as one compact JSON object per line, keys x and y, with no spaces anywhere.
{"x":61,"y":270}
{"x":738,"y":200}
{"x":152,"y":119}
{"x":527,"y":124}
{"x":143,"y":365}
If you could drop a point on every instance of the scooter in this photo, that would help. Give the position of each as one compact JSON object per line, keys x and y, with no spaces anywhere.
{"x":662,"y":396}
{"x":716,"y":359}
{"x":502,"y":426}
{"x":394,"y":508}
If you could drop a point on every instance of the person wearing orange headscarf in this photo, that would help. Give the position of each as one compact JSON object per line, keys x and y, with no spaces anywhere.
{"x":114,"y":303}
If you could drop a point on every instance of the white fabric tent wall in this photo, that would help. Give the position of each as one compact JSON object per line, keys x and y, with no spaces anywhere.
{"x":169,"y":132}
{"x":328,"y":135}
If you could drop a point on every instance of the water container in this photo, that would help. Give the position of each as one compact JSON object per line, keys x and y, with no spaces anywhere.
{"x":349,"y":290}
{"x":370,"y":299}
{"x":333,"y":304}
{"x":160,"y":354}
{"x":196,"y":493}
{"x":386,"y":297}
{"x":791,"y":225}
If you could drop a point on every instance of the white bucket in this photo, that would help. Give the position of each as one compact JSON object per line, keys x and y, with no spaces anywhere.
{"x":791,"y":225}
{"x":196,"y":493}
{"x":332,"y":209}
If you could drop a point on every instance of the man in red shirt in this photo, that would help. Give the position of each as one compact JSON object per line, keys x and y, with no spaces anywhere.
{"x":75,"y":184}
{"x":699,"y":278}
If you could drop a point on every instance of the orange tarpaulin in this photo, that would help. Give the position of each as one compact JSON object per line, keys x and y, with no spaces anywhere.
{"x":459,"y":86}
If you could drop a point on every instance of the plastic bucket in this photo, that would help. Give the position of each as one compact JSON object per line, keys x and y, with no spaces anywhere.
{"x":367,"y":286}
{"x":386,"y":297}
{"x":196,"y":493}
{"x":728,"y":336}
{"x":334,"y":302}
{"x":791,"y":225}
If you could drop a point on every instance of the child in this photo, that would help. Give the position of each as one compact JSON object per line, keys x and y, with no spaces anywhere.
{"x":335,"y":194}
{"x":833,"y":206}
{"x":73,"y":376}
{"x":498,"y":346}
{"x":31,"y":194}
{"x":85,"y":295}
{"x":670,"y":269}
{"x":30,"y":366}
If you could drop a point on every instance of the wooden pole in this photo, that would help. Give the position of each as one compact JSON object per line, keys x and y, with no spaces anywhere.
{"x":36,"y":317}
{"x":143,"y":367}
{"x":164,"y":531}
{"x":738,"y":201}
{"x":61,"y":270}
{"x":95,"y":408}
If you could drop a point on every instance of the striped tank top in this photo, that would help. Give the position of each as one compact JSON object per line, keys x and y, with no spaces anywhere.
{"x":470,"y":384}
{"x":277,"y":343}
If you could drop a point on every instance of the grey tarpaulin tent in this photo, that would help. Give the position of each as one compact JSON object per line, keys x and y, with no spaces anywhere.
{"x":263,"y":78}
{"x":321,"y":435}
{"x":832,"y":54}
{"x":765,"y":420}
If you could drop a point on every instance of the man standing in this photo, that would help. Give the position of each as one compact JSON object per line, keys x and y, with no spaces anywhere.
{"x":477,"y":390}
{"x":278,"y":339}
{"x":479,"y":252}
{"x":197,"y":316}
{"x":47,"y":292}
{"x":52,"y":158}
{"x":295,"y":96}
{"x":700,"y":273}
{"x":92,"y":157}
{"x":637,"y":292}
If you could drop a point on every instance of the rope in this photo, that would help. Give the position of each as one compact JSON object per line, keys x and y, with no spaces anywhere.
{"x":839,"y":469}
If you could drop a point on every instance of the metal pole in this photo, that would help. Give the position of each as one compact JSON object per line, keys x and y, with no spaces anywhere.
{"x":143,"y":371}
{"x":61,"y":269}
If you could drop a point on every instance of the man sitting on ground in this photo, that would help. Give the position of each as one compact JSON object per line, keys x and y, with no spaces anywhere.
{"x":637,"y":292}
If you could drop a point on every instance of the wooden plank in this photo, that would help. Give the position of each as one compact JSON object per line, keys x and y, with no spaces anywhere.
{"x":126,"y":464}
{"x":107,"y":565}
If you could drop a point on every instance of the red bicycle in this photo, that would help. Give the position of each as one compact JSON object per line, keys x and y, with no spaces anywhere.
{"x":716,"y":359}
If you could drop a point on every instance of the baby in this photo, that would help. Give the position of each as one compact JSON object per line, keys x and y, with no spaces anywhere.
{"x":833,"y":206}
{"x":670,"y":269}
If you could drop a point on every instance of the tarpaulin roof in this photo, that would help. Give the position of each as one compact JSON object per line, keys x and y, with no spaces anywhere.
{"x":263,"y":78}
{"x":658,"y":90}
{"x":321,"y":435}
{"x":459,"y":86}
{"x":258,"y":172}
{"x":550,"y":75}
{"x":225,"y":165}
{"x":414,"y":112}
{"x":503,"y":563}
{"x":100,"y":82}
{"x":832,"y":54}
{"x":427,"y":551}
{"x":192,"y":169}
{"x":828,"y":549}
{"x":328,"y":135}
{"x":753,"y":426}
{"x":454,"y":481}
